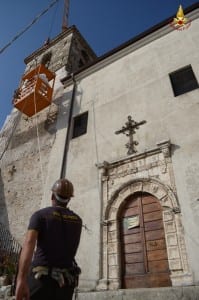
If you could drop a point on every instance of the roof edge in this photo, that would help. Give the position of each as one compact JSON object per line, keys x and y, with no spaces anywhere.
{"x":135,"y":39}
{"x":72,"y":29}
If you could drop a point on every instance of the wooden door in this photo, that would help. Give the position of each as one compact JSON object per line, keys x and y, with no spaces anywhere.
{"x":143,"y":248}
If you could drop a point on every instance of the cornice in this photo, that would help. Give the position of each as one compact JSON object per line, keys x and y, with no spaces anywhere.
{"x":162,"y":147}
{"x":137,"y":42}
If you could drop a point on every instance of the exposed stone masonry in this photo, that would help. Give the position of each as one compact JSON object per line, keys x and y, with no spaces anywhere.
{"x":68,"y":49}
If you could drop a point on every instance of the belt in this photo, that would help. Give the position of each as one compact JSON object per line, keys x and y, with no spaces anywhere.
{"x":56,"y":273}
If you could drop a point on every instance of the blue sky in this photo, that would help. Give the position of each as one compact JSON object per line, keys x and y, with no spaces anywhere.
{"x":105,"y":24}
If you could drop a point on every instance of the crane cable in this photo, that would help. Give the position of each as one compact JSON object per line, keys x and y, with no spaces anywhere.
{"x":37,"y":132}
{"x":9,"y":44}
{"x":65,"y":15}
{"x":28,"y":26}
{"x":52,"y":21}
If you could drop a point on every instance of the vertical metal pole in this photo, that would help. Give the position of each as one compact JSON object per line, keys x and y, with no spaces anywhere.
{"x":65,"y":15}
{"x":68,"y":134}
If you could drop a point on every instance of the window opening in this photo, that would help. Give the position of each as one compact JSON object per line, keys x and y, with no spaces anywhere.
{"x":80,"y":125}
{"x":46,"y":59}
{"x":80,"y":63}
{"x":183,"y":81}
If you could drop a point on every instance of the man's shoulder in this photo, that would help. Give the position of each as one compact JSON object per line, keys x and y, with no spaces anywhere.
{"x":38,"y":217}
{"x":43,"y":211}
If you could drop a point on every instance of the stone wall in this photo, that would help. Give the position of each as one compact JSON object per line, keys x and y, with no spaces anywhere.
{"x":23,"y":169}
{"x":68,"y":49}
{"x":26,"y":143}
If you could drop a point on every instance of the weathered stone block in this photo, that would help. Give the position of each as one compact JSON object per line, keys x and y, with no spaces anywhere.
{"x":113,"y":272}
{"x":173,"y":252}
{"x":171,"y":239}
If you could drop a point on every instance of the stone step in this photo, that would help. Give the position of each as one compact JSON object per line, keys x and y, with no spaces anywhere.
{"x":168,"y":293}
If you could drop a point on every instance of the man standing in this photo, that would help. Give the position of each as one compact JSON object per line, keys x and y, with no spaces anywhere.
{"x":55,"y":231}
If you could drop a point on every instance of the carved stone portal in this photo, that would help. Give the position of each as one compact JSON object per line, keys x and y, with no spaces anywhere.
{"x":149,"y":172}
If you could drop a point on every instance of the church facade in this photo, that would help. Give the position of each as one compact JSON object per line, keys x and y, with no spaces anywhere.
{"x":124,"y":129}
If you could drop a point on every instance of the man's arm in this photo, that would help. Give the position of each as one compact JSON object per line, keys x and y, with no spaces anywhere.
{"x":22,"y":290}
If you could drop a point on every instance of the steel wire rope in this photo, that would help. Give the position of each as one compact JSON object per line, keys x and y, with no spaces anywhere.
{"x":37,"y":132}
{"x":28,"y":26}
{"x":9,"y":44}
{"x":52,"y":21}
{"x":48,"y":38}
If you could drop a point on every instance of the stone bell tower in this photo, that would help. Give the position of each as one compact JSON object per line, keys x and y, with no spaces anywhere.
{"x":64,"y":54}
{"x":26,"y":142}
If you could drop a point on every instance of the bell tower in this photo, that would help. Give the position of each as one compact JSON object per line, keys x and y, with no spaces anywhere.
{"x":66,"y":53}
{"x":27,"y":143}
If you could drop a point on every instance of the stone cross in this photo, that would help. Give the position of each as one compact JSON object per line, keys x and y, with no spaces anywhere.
{"x":129,"y":130}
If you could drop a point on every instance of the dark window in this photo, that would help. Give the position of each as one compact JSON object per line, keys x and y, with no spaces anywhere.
{"x":183,"y":81}
{"x":46,"y":58}
{"x":85,"y":55}
{"x":80,"y":63}
{"x":80,"y":125}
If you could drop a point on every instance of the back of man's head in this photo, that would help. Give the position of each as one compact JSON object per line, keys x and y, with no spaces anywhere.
{"x":62,"y":190}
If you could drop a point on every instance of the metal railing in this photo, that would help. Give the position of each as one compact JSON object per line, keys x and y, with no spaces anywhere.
{"x":9,"y":252}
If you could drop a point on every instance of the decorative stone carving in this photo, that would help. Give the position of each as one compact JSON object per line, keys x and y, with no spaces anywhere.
{"x":165,"y":147}
{"x":141,"y":173}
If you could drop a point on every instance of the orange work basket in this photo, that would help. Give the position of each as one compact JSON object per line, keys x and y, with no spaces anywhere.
{"x":35,"y":92}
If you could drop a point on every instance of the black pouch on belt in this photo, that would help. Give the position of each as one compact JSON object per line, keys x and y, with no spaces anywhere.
{"x":34,"y":284}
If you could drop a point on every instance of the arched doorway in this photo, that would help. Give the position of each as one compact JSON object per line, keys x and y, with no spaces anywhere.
{"x":144,"y":261}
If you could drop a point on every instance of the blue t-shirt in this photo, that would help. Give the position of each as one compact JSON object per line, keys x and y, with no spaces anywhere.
{"x":59,"y":231}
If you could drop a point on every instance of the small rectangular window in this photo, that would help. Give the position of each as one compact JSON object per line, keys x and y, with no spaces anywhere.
{"x":183,"y":81}
{"x":80,"y":125}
